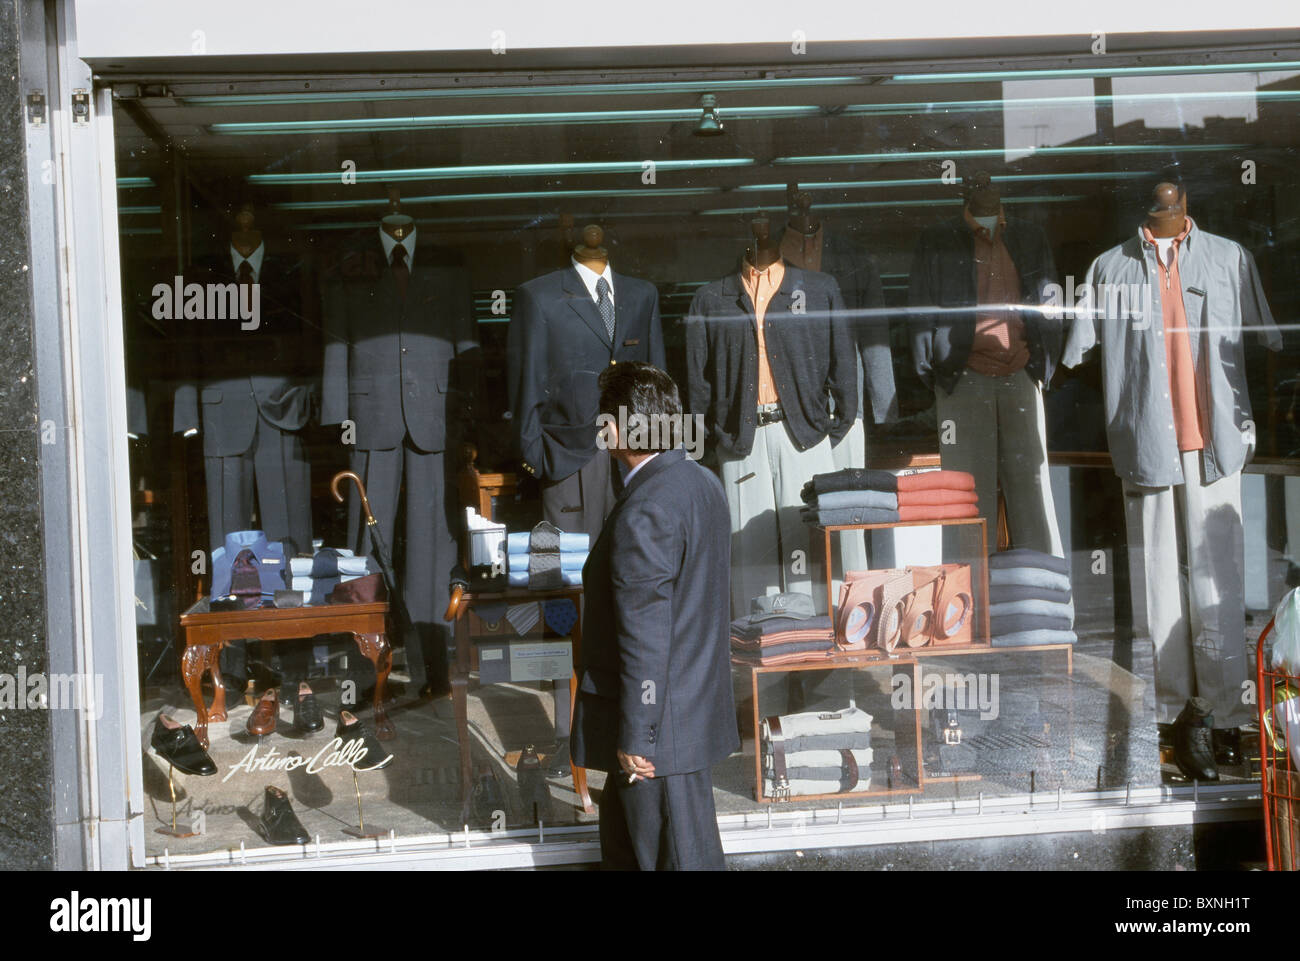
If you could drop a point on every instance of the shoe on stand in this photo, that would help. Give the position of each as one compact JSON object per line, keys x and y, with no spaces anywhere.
{"x":177,"y":745}
{"x":351,"y":729}
{"x":1193,"y":741}
{"x":557,"y":764}
{"x":307,"y":717}
{"x":278,"y":824}
{"x":265,"y":714}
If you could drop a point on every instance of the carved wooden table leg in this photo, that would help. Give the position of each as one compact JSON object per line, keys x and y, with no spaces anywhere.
{"x":374,"y":647}
{"x":193,"y":660}
{"x":213,"y":663}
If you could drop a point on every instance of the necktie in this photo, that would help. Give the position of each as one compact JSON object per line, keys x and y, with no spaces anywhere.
{"x":401,"y":272}
{"x":245,"y":581}
{"x":245,"y":273}
{"x":605,"y":304}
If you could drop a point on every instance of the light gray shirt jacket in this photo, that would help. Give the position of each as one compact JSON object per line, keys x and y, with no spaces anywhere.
{"x":1119,"y":307}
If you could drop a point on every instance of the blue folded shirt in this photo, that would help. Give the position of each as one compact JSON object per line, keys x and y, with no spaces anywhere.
{"x":520,"y":578}
{"x":832,"y":500}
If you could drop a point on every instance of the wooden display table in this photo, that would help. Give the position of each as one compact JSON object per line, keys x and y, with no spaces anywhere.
{"x":205,"y":633}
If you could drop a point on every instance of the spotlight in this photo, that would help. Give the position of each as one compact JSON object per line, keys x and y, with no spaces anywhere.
{"x":709,"y":125}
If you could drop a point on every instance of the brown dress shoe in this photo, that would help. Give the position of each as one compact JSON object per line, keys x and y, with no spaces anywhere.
{"x":265,"y":714}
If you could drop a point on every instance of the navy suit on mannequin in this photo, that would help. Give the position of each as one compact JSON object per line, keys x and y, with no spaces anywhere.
{"x":400,"y":354}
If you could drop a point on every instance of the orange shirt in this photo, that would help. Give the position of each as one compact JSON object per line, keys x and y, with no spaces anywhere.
{"x":998,"y":348}
{"x":761,"y":285}
{"x":1178,"y":348}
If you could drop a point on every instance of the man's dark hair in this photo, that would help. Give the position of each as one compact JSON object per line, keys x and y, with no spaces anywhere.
{"x":645,"y":399}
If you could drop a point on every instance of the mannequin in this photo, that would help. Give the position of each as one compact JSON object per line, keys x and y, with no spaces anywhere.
{"x":558,"y":343}
{"x":989,"y":365}
{"x":1179,"y":429}
{"x":759,"y":343}
{"x":400,"y":365}
{"x":245,"y":393}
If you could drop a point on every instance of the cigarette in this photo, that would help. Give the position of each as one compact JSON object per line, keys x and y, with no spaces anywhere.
{"x":631,"y":778}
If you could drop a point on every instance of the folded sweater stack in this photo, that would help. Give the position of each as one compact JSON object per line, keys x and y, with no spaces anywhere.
{"x":859,"y":496}
{"x":1030,"y":601}
{"x":316,"y":576}
{"x":781,"y":640}
{"x":527,"y":567}
{"x":821,"y":753}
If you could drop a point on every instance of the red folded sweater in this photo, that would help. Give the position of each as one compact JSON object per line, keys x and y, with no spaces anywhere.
{"x":936,"y":495}
{"x":933,"y":512}
{"x":932,"y":479}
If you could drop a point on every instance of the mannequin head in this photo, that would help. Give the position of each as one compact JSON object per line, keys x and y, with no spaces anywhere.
{"x":1167,"y":213}
{"x":799,"y":204}
{"x":983,"y":198}
{"x":590,"y":253}
{"x":395,"y":223}
{"x":246,"y":238}
{"x":762,"y":253}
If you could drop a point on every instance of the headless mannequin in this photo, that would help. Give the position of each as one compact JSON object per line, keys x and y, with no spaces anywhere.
{"x":763,"y":253}
{"x":984,"y":201}
{"x":1167,"y":217}
{"x":396,"y":224}
{"x":590,"y":253}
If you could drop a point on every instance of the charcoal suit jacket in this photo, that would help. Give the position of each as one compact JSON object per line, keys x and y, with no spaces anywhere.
{"x":556,"y":331}
{"x":654,"y":669}
{"x":230,"y":375}
{"x":394,"y":365}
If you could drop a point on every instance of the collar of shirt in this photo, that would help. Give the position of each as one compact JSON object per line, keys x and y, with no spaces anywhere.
{"x":589,"y":278}
{"x":389,"y":243}
{"x":254,"y":260}
{"x":978,"y":229}
{"x":771,"y":275}
{"x":632,"y":473}
{"x":1150,"y":241}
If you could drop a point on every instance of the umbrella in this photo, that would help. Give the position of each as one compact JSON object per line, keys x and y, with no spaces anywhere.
{"x":395,"y":603}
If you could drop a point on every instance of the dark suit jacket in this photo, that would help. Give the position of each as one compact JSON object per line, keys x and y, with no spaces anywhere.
{"x":655,"y":674}
{"x":943,"y":275}
{"x":555,"y":331}
{"x":391,"y":364}
{"x":231,"y":374}
{"x":810,"y":349}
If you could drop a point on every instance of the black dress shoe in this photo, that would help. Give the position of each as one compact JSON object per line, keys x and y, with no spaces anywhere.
{"x":176,"y":744}
{"x":1194,"y":742}
{"x":1227,"y":746}
{"x":351,"y":730}
{"x":307,"y":716}
{"x":278,"y":824}
{"x":533,"y":791}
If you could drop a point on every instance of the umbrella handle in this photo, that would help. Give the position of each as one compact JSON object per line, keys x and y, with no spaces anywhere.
{"x":361,"y":489}
{"x":455,"y":604}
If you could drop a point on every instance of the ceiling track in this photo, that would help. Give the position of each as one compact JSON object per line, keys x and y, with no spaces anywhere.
{"x":180,"y":79}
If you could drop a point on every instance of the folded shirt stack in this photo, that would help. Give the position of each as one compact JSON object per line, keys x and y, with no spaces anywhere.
{"x":861,"y":496}
{"x":822,"y":754}
{"x":781,"y":640}
{"x":1030,"y":601}
{"x":314,"y":577}
{"x":524,"y":565}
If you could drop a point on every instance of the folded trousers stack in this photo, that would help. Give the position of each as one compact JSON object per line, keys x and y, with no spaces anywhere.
{"x":1030,"y":601}
{"x":859,"y":496}
{"x":781,"y":640}
{"x":816,"y":753}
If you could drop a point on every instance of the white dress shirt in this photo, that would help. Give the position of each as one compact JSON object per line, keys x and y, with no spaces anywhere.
{"x":589,"y":278}
{"x":632,"y":473}
{"x":389,"y":243}
{"x":254,"y":260}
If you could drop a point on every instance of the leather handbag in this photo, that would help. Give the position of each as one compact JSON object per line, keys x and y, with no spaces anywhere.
{"x":871,"y":609}
{"x":942,"y":612}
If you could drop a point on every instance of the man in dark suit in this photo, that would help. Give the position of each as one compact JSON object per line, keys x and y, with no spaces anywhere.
{"x":557,"y":328}
{"x":655,"y":707}
{"x":400,"y":360}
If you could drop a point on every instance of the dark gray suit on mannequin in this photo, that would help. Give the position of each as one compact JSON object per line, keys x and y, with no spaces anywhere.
{"x":395,"y":366}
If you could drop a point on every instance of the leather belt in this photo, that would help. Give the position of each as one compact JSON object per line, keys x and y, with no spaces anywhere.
{"x":780,"y":782}
{"x":769,"y":415}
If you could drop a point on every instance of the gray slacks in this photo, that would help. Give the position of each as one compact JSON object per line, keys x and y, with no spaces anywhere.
{"x":1196,"y":623}
{"x":276,"y":466}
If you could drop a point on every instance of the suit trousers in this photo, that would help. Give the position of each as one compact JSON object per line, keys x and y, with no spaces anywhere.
{"x":663,"y":823}
{"x":851,"y":451}
{"x":769,"y":541}
{"x":994,"y":428}
{"x":580,"y":502}
{"x":277,"y":467}
{"x":429,"y":549}
{"x":1197,"y":621}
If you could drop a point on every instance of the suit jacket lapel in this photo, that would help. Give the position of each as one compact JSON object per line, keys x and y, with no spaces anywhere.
{"x":577,"y":297}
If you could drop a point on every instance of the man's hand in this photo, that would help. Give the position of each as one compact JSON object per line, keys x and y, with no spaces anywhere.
{"x":634,"y":766}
